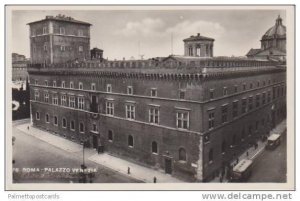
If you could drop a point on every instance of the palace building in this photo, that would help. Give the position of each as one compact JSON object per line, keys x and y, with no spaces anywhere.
{"x":187,"y":116}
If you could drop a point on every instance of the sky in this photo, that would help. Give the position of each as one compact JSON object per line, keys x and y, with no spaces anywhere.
{"x":130,"y":33}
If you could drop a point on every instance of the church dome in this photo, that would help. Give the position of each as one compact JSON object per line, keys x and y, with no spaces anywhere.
{"x":278,"y":30}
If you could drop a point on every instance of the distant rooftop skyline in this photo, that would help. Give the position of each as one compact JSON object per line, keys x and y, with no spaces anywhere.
{"x":129,"y":33}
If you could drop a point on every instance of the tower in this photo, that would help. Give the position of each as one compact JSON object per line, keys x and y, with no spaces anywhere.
{"x":198,"y":46}
{"x":59,"y":39}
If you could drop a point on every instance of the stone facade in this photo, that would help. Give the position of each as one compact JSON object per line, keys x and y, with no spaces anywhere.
{"x":59,"y":39}
{"x":188,"y":116}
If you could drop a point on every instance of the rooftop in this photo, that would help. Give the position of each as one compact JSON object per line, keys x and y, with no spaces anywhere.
{"x":198,"y":37}
{"x":61,"y":18}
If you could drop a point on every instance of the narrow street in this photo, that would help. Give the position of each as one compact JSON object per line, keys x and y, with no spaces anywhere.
{"x":270,"y":166}
{"x":30,"y":152}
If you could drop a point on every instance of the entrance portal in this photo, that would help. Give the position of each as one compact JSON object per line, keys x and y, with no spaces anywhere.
{"x":168,"y":165}
{"x":95,"y":141}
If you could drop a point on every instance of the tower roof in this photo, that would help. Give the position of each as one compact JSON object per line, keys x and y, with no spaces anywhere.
{"x":61,"y":18}
{"x":198,"y":37}
{"x":278,"y":30}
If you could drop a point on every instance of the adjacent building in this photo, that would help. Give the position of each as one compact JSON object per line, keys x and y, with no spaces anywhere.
{"x":19,"y":67}
{"x":273,"y":43}
{"x":188,"y":116}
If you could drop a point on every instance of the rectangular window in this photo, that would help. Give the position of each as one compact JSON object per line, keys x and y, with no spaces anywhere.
{"x":108,"y":88}
{"x":244,"y":86}
{"x":80,"y":48}
{"x":54,"y":83}
{"x":46,"y":97}
{"x":110,"y":135}
{"x":181,"y":94}
{"x":61,"y":30}
{"x":224,"y":113}
{"x":264,"y":98}
{"x":154,"y":115}
{"x":257,"y":100}
{"x":182,"y":119}
{"x":244,"y":105}
{"x":109,"y":108}
{"x":153,"y":92}
{"x":63,"y":100}
{"x":44,"y":30}
{"x":235,"y":88}
{"x":46,"y":83}
{"x":130,"y":111}
{"x":93,"y":87}
{"x":129,"y":90}
{"x":211,"y":94}
{"x":269,"y":96}
{"x":72,"y":101}
{"x":36,"y":95}
{"x":235,"y":109}
{"x":251,"y":86}
{"x":81,"y":103}
{"x":63,"y":84}
{"x":225,"y":91}
{"x":62,"y":48}
{"x":211,"y":119}
{"x":35,"y":82}
{"x":250,"y":103}
{"x":55,"y":99}
{"x":274,"y":93}
{"x":80,"y":32}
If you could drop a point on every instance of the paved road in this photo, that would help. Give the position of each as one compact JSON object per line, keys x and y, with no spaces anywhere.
{"x":270,"y":166}
{"x":30,"y":152}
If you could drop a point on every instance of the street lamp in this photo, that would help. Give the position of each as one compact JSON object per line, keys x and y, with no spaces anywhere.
{"x":83,"y":178}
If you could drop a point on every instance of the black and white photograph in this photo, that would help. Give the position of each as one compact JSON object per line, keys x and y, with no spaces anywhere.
{"x":149,"y":97}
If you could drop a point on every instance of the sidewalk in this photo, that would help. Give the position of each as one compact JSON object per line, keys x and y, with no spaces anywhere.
{"x":136,"y":171}
{"x":52,"y":139}
{"x":253,"y":152}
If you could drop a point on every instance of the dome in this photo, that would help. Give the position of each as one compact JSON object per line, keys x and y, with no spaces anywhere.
{"x":278,"y":30}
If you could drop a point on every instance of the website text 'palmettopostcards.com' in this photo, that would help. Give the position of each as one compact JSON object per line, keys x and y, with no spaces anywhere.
{"x":247,"y":196}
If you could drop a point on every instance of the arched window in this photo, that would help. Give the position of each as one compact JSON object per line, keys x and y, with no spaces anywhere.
{"x":110,"y":135}
{"x":47,"y":118}
{"x":64,"y":123}
{"x":55,"y":120}
{"x":154,"y":147}
{"x":182,"y":154}
{"x":211,"y":155}
{"x":130,"y":141}
{"x":81,"y":127}
{"x":223,"y":146}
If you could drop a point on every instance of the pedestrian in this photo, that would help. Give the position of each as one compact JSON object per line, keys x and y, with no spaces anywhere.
{"x":128,"y":170}
{"x":154,"y":179}
{"x":221,"y":179}
{"x":27,"y":127}
{"x":237,"y":160}
{"x":247,"y":153}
